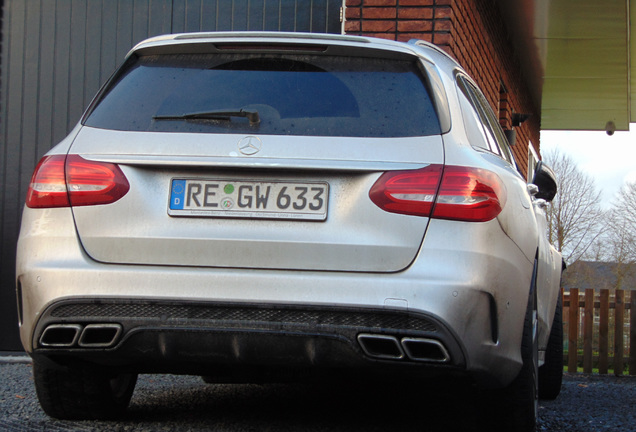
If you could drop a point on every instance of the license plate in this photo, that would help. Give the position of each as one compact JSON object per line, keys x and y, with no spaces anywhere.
{"x":249,"y":199}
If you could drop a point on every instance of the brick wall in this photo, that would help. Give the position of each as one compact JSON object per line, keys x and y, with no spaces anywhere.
{"x":473,"y":32}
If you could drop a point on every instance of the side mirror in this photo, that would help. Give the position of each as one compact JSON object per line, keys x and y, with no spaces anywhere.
{"x":545,"y":180}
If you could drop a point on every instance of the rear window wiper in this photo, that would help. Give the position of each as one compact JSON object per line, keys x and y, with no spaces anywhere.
{"x":252,"y":116}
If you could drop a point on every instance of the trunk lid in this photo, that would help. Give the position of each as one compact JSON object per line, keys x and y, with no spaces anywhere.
{"x":355,"y":234}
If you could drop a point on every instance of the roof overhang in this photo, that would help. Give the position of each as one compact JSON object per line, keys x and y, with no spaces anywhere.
{"x":576,"y":55}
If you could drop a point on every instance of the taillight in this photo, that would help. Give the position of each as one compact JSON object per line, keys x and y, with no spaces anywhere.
{"x":60,"y":181}
{"x":407,"y":192}
{"x":47,"y":187}
{"x":451,"y":192}
{"x":469,"y":194}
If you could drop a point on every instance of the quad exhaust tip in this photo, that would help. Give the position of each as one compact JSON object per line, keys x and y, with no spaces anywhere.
{"x":381,"y":346}
{"x":423,"y":349}
{"x":60,"y":335}
{"x":99,"y":335}
{"x":76,"y":335}
{"x":389,"y":347}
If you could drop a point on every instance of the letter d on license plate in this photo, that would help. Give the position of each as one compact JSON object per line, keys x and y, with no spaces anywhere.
{"x":249,"y":199}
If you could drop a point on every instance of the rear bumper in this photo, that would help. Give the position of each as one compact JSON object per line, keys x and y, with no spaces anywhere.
{"x":200,"y":337}
{"x":467,"y":302}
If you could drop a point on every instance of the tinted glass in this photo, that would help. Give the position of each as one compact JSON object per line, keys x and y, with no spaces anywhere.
{"x":472,"y":121}
{"x":293,"y":95}
{"x":497,"y":140}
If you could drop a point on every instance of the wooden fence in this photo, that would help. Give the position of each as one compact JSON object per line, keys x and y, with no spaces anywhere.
{"x":600,"y":329}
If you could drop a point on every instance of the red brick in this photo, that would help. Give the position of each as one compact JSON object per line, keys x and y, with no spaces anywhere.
{"x":379,"y":3}
{"x":352,"y":3}
{"x":415,"y":26}
{"x":379,"y":13}
{"x":352,"y":13}
{"x":417,"y":2}
{"x":443,"y":25}
{"x":442,"y":38}
{"x":415,"y":13}
{"x":443,"y":12}
{"x":378,"y":26}
{"x":352,"y":26}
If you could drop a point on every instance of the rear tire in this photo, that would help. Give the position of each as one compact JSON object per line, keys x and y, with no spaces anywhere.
{"x":82,"y":392}
{"x":551,"y":373}
{"x":518,"y":403}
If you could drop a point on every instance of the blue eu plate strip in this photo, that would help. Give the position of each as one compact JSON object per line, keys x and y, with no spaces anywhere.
{"x":177,"y":195}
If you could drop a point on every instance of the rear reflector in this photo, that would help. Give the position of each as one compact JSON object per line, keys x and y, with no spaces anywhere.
{"x":451,"y":192}
{"x":60,"y":181}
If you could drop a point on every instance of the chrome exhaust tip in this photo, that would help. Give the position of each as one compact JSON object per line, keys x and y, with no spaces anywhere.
{"x":60,"y":335}
{"x":100,"y":335}
{"x":381,"y":346}
{"x":422,"y":349}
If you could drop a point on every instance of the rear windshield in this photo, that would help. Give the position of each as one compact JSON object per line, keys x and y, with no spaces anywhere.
{"x":291,"y":94}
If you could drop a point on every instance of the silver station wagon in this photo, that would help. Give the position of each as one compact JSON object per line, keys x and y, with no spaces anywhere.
{"x":253,"y":206}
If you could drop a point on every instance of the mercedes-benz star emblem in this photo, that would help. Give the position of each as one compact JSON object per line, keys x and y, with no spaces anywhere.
{"x":250,"y":145}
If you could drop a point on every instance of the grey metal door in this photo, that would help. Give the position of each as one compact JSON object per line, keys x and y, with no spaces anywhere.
{"x":56,"y":54}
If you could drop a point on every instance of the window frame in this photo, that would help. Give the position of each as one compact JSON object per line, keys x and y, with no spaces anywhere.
{"x":493,"y":132}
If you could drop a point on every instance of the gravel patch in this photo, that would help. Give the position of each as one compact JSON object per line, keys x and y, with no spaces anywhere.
{"x":184,"y":403}
{"x":591,"y":403}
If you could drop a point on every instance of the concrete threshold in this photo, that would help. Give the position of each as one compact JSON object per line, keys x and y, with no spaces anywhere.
{"x":14,"y":357}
